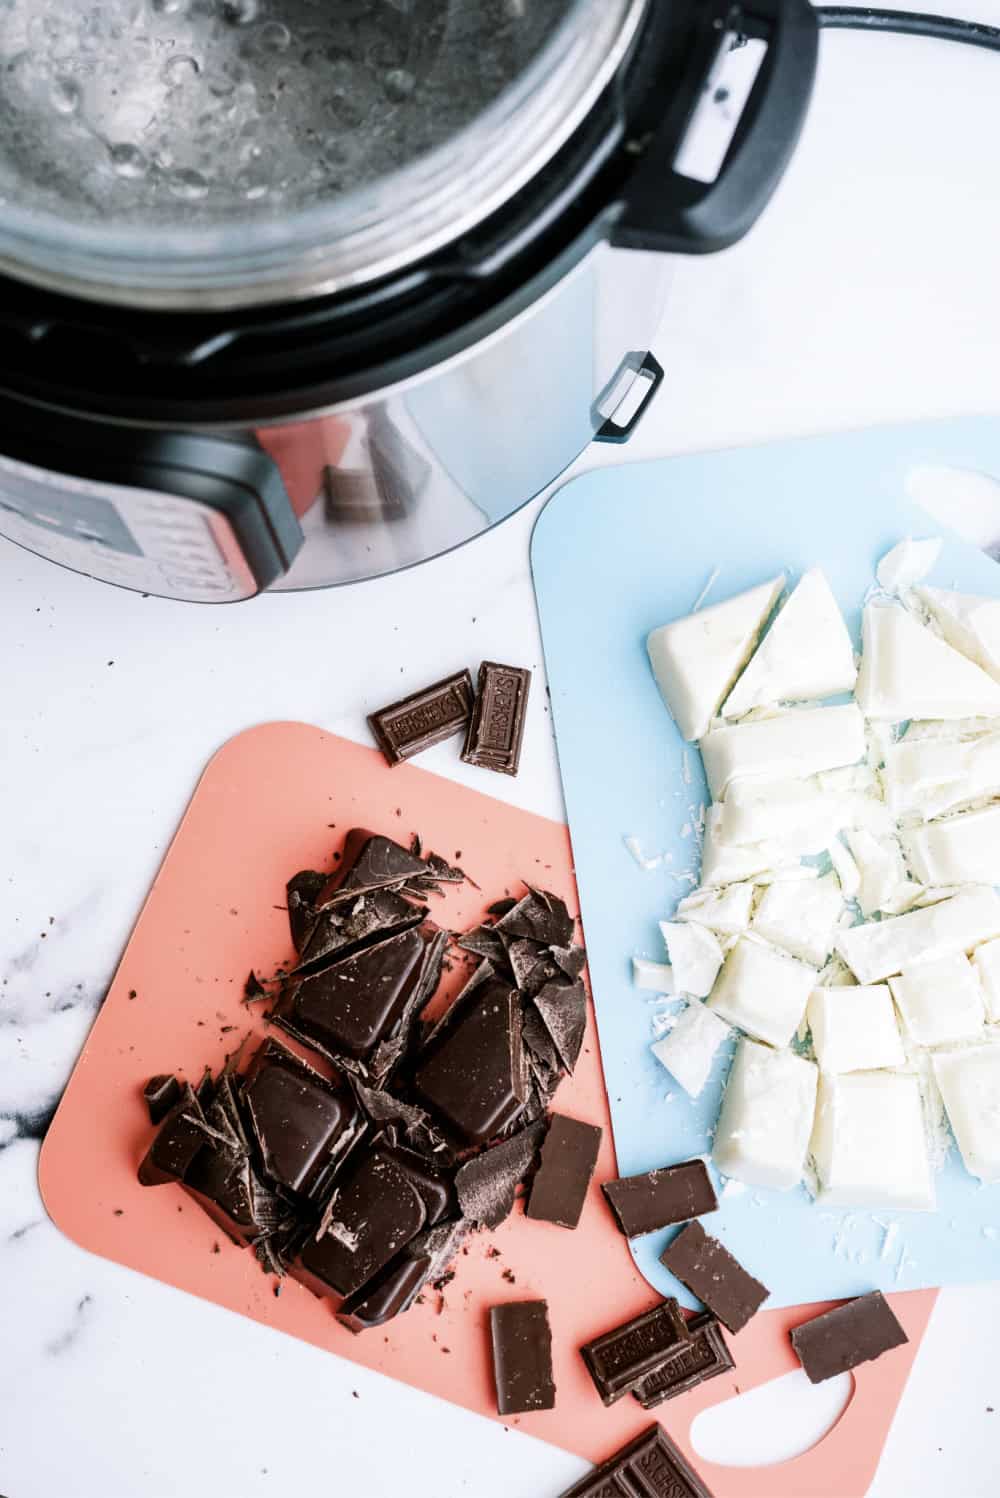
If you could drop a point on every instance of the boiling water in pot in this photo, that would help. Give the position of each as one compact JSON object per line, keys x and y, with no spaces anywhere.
{"x":185,"y":111}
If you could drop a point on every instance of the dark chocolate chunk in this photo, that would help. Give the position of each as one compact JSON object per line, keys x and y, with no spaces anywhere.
{"x":569,"y":1156}
{"x":300,"y":894}
{"x":705,"y":1357}
{"x":676,"y":1193}
{"x":543,"y":1058}
{"x":620,"y":1359}
{"x":348,"y":1007}
{"x":475,"y":1076}
{"x":709,"y":1271}
{"x":435,"y":1188}
{"x":370,"y":862}
{"x":413,"y":1122}
{"x":221,"y":1182}
{"x":563,"y":1011}
{"x":484,"y":942}
{"x":302,"y":1125}
{"x":394,"y":1289}
{"x":649,"y":1467}
{"x":253,"y":989}
{"x":501,"y":907}
{"x":496,"y":728}
{"x":522,"y":1357}
{"x":429,"y":717}
{"x":572,"y":960}
{"x":486,"y":1185}
{"x":161,"y":1094}
{"x":539,"y":916}
{"x":532,"y":967}
{"x":344,"y":929}
{"x":370,"y":1217}
{"x":178,"y":1140}
{"x":856,"y":1332}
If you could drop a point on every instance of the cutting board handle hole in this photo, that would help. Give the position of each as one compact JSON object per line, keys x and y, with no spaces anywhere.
{"x":773,"y":1423}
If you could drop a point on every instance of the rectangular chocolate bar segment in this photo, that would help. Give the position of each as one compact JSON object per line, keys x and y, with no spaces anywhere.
{"x":424,"y":718}
{"x":648,"y":1467}
{"x":620,"y":1359}
{"x":475,"y":1075}
{"x":522,"y":1357}
{"x":705,"y":1357}
{"x":496,"y":729}
{"x":857,"y":1332}
{"x":709,"y":1271}
{"x":569,"y":1156}
{"x":676,"y":1193}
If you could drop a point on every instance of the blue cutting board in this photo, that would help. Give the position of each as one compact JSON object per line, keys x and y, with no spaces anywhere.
{"x":616,"y":553}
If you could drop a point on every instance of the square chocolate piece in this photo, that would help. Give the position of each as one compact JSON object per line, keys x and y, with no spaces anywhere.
{"x":522,"y":1357}
{"x":709,"y":1271}
{"x":858,"y":1332}
{"x":676,"y":1193}
{"x":303,"y":1125}
{"x":475,"y":1076}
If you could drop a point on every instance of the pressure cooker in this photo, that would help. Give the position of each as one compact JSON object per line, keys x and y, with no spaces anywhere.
{"x":295,"y":293}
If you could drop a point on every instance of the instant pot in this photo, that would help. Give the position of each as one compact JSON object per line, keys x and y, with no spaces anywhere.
{"x":293,"y":294}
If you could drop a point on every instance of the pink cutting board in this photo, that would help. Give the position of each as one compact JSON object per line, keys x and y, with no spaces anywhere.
{"x":279,"y":798}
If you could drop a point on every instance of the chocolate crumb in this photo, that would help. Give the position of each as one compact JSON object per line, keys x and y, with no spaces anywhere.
{"x":216,"y":1249}
{"x":277,"y":1291}
{"x":508,"y":1275}
{"x":119,"y":1212}
{"x":132,"y":994}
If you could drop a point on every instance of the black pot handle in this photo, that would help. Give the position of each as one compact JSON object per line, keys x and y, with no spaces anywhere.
{"x":663,"y":210}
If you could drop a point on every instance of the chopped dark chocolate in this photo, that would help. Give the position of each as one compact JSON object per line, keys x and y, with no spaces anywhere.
{"x":161,"y":1093}
{"x":522,"y":1357}
{"x":302,"y":1125}
{"x":857,"y":1332}
{"x":300,"y":894}
{"x":539,"y":916}
{"x":562,"y":1008}
{"x":344,"y":929}
{"x":569,"y":1156}
{"x":675,"y":1193}
{"x":709,"y":1271}
{"x":176,"y":1143}
{"x":371,"y":1216}
{"x":475,"y":1076}
{"x":496,"y":728}
{"x":532,"y":967}
{"x":705,"y":1357}
{"x":486,"y":1185}
{"x":619,"y":1360}
{"x":648,"y":1467}
{"x":572,"y":960}
{"x":370,"y":862}
{"x":394,"y":1289}
{"x":424,"y":718}
{"x":484,"y":942}
{"x":220,"y":1180}
{"x":253,"y":989}
{"x":543,"y":1057}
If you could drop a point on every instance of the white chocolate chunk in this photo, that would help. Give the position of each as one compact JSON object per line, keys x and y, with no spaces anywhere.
{"x":695,"y":956}
{"x":845,"y":869}
{"x":726,"y":863}
{"x":805,"y":655}
{"x":801,"y":918}
{"x":986,"y":960}
{"x":906,"y":563}
{"x":767,"y":1116}
{"x":854,"y":1028}
{"x":725,"y":911}
{"x":762,"y":991}
{"x":929,"y":777}
{"x":881,"y":949}
{"x":969,"y":1080}
{"x":880,"y":865}
{"x":869,"y":1143}
{"x":688,"y":1051}
{"x":655,"y":976}
{"x":961,"y":850}
{"x":798,"y":813}
{"x":941,"y":1001}
{"x":907,"y":672}
{"x":969,"y":623}
{"x":696,"y":659}
{"x":797,"y":743}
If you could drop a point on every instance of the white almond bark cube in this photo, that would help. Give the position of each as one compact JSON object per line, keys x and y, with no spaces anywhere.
{"x":688,"y":1051}
{"x":986,"y":960}
{"x":801,"y":917}
{"x":695,"y":956}
{"x":941,"y":1002}
{"x":880,"y":949}
{"x":762,"y":991}
{"x":869,"y":1144}
{"x":656,"y":977}
{"x":767,"y":1117}
{"x":725,"y":911}
{"x":969,"y":1080}
{"x":797,"y":743}
{"x":854,"y":1028}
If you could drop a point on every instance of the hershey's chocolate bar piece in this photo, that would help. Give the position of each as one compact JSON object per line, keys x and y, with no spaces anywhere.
{"x":620,"y":1359}
{"x":424,"y":718}
{"x":475,"y":1076}
{"x":705,"y":1357}
{"x":369,"y":861}
{"x":522,"y":1357}
{"x":486,"y":1184}
{"x":562,"y":1008}
{"x":709,"y":1271}
{"x":676,"y":1193}
{"x":177,"y":1142}
{"x":648,"y":1467}
{"x":839,"y":1340}
{"x":303,"y":1125}
{"x":496,"y":728}
{"x":161,"y":1093}
{"x":373,"y":1215}
{"x":569,"y":1156}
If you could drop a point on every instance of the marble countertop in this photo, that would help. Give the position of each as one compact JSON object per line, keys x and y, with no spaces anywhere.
{"x":868,"y":292}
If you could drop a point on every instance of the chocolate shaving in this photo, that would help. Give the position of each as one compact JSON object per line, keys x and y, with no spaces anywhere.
{"x":563,"y":1011}
{"x":486,"y":1185}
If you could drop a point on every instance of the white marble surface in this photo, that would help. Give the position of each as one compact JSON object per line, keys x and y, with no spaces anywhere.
{"x":868,"y":292}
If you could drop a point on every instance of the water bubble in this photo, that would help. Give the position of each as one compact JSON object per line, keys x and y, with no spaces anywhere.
{"x":399,"y":84}
{"x":127,"y":160}
{"x":185,"y":182}
{"x":240,"y":12}
{"x":274,"y":36}
{"x":180,"y":70}
{"x":65,"y":96}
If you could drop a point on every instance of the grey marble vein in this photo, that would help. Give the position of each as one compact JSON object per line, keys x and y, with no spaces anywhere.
{"x":65,"y":1341}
